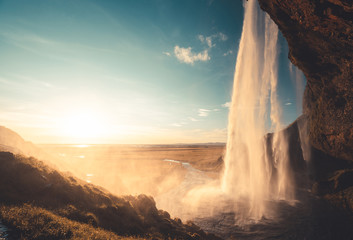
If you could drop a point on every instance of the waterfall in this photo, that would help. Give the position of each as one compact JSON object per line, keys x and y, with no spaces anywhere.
{"x":252,"y":177}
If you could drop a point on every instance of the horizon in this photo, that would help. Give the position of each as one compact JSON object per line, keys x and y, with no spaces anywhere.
{"x":108,"y":72}
{"x":135,"y":145}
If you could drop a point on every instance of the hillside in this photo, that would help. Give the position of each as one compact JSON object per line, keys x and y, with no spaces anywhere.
{"x":32,"y":190}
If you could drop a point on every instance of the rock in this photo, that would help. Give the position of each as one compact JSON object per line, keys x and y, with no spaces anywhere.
{"x":297,"y":164}
{"x":340,"y":181}
{"x":342,"y":199}
{"x":320,"y":40}
{"x":328,"y":177}
{"x":145,"y":206}
{"x":336,"y":186}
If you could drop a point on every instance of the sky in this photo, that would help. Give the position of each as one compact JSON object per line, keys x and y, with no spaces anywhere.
{"x":142,"y":71}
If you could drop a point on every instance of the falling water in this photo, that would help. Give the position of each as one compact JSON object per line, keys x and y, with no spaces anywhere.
{"x":299,"y":81}
{"x":249,"y":172}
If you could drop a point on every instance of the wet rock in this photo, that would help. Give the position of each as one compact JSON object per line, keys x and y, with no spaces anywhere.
{"x":297,"y":164}
{"x":341,"y":180}
{"x":338,"y":189}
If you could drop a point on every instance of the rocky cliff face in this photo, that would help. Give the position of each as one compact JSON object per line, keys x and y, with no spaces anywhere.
{"x":320,"y":39}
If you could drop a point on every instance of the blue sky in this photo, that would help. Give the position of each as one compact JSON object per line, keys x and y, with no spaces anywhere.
{"x":142,"y":71}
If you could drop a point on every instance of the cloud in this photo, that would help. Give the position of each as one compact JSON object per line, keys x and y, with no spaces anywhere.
{"x":222,"y":37}
{"x":204,"y":112}
{"x":185,"y":55}
{"x":228,"y":53}
{"x":209,"y":42}
{"x":226,"y":105}
{"x":167,"y":53}
{"x":288,"y":103}
{"x":210,"y":39}
{"x":201,"y":38}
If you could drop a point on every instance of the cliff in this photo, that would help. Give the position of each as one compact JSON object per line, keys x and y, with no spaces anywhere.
{"x":320,"y":39}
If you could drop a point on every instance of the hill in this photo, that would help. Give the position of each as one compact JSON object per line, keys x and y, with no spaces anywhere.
{"x":36,"y":197}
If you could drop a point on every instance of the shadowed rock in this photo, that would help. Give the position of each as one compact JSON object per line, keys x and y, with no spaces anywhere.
{"x":320,"y":40}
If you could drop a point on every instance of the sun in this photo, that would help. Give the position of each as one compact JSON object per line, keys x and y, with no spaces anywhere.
{"x":83,"y":124}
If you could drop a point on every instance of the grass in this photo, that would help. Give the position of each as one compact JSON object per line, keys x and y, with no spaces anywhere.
{"x":29,"y":222}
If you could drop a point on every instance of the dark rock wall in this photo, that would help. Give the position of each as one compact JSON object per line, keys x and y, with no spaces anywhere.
{"x":320,"y":39}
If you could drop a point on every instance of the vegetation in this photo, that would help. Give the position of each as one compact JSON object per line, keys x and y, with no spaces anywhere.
{"x":63,"y":207}
{"x":29,"y":222}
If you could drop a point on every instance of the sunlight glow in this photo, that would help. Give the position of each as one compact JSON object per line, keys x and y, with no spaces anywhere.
{"x":83,"y":124}
{"x":81,"y":146}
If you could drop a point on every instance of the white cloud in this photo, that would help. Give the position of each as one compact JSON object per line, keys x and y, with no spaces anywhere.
{"x":288,"y":103}
{"x":204,"y":112}
{"x":228,"y":53}
{"x":210,"y":39}
{"x":201,"y":38}
{"x":167,"y":53}
{"x":226,"y":105}
{"x":209,"y":42}
{"x":222,"y":37}
{"x":185,"y":55}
